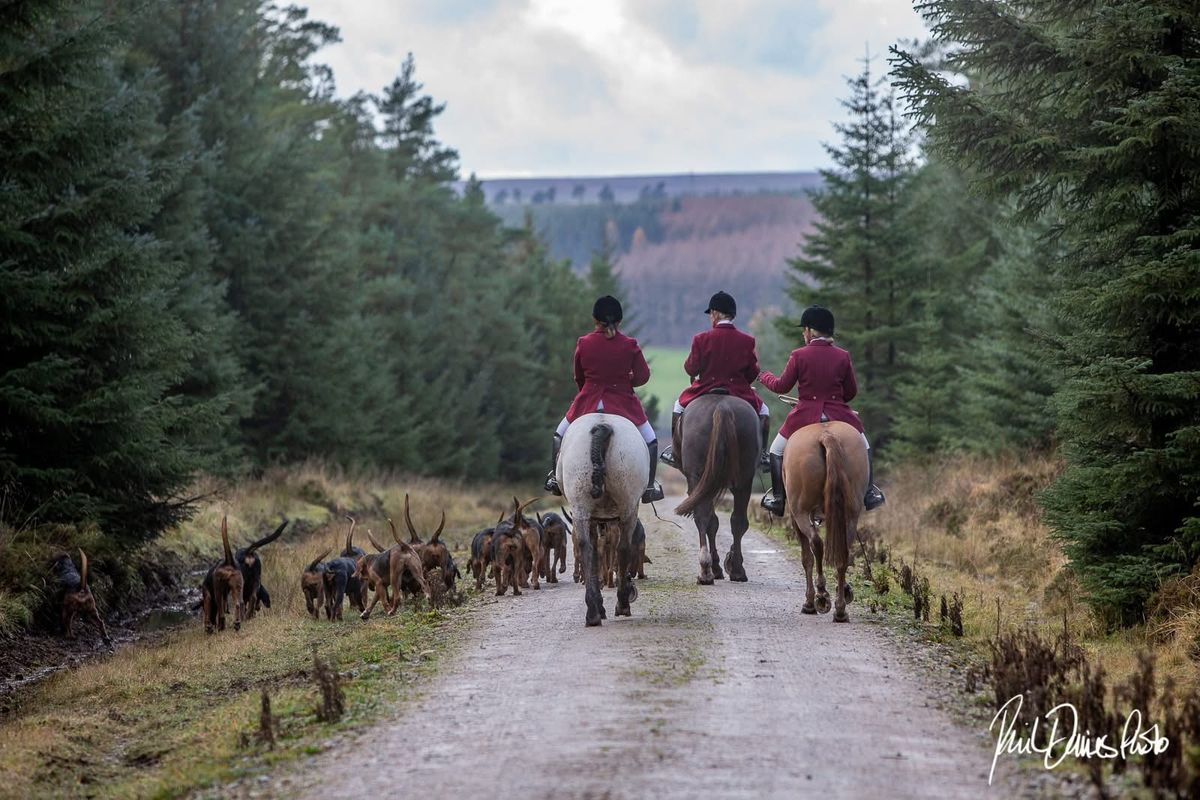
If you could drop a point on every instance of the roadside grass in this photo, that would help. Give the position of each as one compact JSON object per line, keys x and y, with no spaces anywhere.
{"x":971,"y":527}
{"x":180,"y":710}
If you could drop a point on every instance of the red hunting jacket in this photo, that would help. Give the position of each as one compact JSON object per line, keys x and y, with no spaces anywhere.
{"x":606,"y":370}
{"x":722,"y":357}
{"x":824,"y":381}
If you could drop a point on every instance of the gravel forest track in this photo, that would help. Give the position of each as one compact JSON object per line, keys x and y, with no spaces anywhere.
{"x":725,"y":691}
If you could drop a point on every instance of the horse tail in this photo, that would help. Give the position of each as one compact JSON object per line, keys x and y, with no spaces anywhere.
{"x":837,"y":502}
{"x":601,"y":434}
{"x":721,"y":466}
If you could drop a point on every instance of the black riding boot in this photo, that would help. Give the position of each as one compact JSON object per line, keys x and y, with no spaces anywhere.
{"x":653,"y":490}
{"x":763,"y":461}
{"x":873,"y":498}
{"x":552,"y":477}
{"x":773,"y":501}
{"x":670,"y":456}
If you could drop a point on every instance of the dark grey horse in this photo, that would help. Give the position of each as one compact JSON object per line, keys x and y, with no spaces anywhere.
{"x":721,"y":440}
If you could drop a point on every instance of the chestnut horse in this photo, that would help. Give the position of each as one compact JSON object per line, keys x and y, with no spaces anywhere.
{"x":720,"y":448}
{"x":825,"y":475}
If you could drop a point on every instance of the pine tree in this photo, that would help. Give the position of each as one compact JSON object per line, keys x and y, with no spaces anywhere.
{"x":857,"y":263}
{"x":90,"y":348}
{"x":1007,"y":380}
{"x":1089,"y":113}
{"x":955,"y":249}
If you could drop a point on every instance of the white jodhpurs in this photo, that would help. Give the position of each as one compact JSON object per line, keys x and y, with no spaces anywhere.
{"x":645,"y":429}
{"x":781,"y":442}
{"x":762,"y":412}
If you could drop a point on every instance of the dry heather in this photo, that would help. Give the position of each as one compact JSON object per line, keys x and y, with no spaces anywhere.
{"x":972,"y":526}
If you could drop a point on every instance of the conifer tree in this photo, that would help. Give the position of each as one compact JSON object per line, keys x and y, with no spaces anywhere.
{"x":1089,"y":113}
{"x":857,"y":263}
{"x":89,"y":348}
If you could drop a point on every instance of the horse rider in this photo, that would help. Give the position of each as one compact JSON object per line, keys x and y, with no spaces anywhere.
{"x":608,"y":364}
{"x":824,"y":381}
{"x":722,"y":358}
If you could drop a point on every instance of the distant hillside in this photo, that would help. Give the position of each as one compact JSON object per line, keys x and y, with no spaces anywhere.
{"x":628,"y":188}
{"x":675,"y":246}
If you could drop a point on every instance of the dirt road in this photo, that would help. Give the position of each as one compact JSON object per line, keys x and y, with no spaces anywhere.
{"x":722,"y":692}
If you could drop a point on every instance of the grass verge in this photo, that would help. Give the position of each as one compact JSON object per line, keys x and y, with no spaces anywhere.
{"x":167,"y":716}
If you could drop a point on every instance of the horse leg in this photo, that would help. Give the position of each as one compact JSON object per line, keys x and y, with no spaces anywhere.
{"x":714,"y":525}
{"x":819,"y":551}
{"x":806,"y":558}
{"x":740,"y":523}
{"x":703,"y":513}
{"x":626,"y":591}
{"x":588,"y":570}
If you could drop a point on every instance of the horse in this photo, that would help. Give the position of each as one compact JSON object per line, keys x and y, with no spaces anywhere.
{"x":603,"y":466}
{"x":721,"y":438}
{"x":825,"y":474}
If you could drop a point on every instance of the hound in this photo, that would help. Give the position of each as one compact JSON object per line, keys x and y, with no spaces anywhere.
{"x":254,"y":594}
{"x":554,"y":546}
{"x":531,"y":540}
{"x":434,"y":554}
{"x":386,"y":569}
{"x":223,"y":581}
{"x":312,"y":583}
{"x":77,"y":597}
{"x":507,"y":558}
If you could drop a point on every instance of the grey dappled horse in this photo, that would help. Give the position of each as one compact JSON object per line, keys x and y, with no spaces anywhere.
{"x":603,"y":466}
{"x":720,"y":449}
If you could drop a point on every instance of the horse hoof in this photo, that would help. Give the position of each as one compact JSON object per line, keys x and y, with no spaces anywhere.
{"x":823,"y":604}
{"x":624,"y":611}
{"x":808,"y":608}
{"x":841,"y":616}
{"x":849,"y":593}
{"x":717,"y":573}
{"x":703,"y":581}
{"x":593,"y":622}
{"x":738,"y":577}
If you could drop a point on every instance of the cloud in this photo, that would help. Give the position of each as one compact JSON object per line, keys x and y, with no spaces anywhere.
{"x":554,"y":87}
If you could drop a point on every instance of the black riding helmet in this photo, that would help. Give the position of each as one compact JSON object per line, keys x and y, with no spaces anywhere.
{"x":724,"y":303}
{"x":607,"y":310}
{"x":818,"y":318}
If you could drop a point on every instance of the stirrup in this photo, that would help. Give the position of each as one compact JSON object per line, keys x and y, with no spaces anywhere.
{"x":772,"y":504}
{"x":652,"y":493}
{"x":667,"y":457}
{"x":551,"y":484}
{"x":874,"y":498}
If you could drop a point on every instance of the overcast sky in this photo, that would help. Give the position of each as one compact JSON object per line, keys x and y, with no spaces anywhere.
{"x":602,"y":87}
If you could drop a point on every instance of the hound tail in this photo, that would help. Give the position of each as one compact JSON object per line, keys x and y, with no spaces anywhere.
{"x":838,"y":500}
{"x":313,"y":564}
{"x":721,"y":465}
{"x":601,"y":434}
{"x":225,"y":541}
{"x":83,"y":570}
